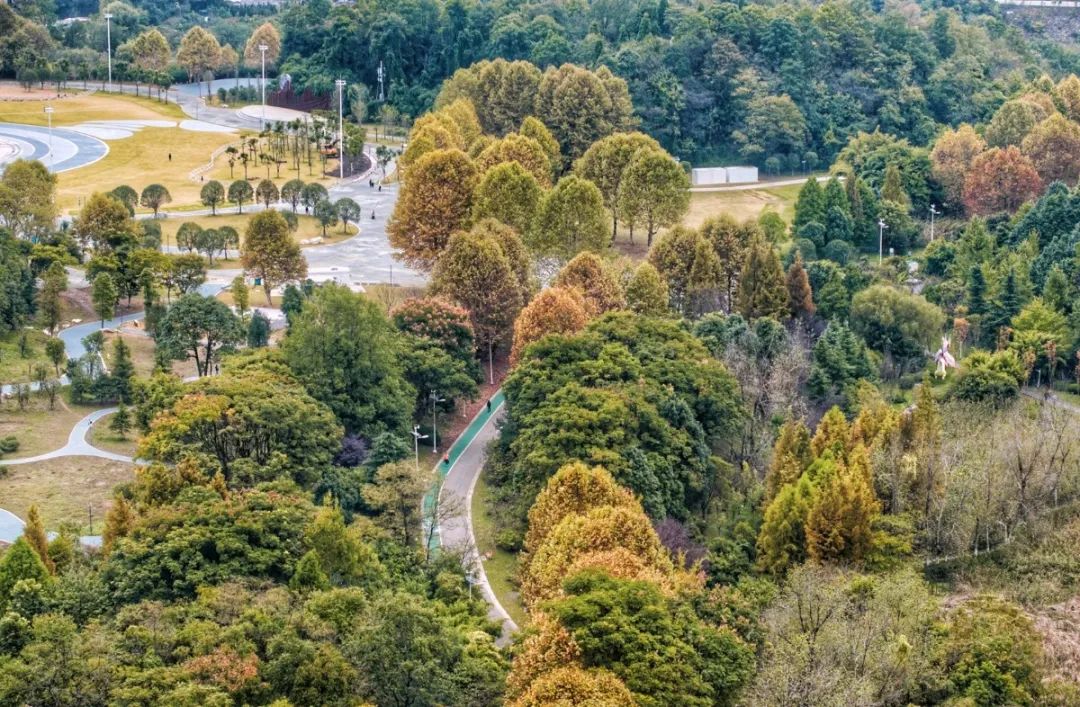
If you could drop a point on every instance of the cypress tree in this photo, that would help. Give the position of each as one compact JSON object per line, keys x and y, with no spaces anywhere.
{"x":976,"y":291}
{"x":800,"y":296}
{"x":762,"y":289}
{"x":892,"y":189}
{"x":810,"y":206}
{"x":34,"y":532}
{"x":19,"y":562}
{"x":123,"y":370}
{"x":836,"y":197}
{"x":1006,"y":307}
{"x":791,"y":455}
{"x":1056,"y":291}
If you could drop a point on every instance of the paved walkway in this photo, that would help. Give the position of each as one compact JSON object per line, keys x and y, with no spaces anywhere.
{"x":456,"y":532}
{"x":77,"y":445}
{"x":69,"y":149}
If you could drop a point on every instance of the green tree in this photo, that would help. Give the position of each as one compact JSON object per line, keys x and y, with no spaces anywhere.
{"x":476,"y":273}
{"x":104,"y":296}
{"x":239,"y":192}
{"x":240,"y":295}
{"x":104,"y":222}
{"x":900,"y":325}
{"x":395,"y":495}
{"x":269,"y":252}
{"x":154,"y":197}
{"x":507,"y":193}
{"x":291,"y":192}
{"x":54,"y":282}
{"x":762,"y":289}
{"x":123,"y":370}
{"x":126,"y":196}
{"x":781,"y":543}
{"x":571,"y":219}
{"x":605,"y":162}
{"x":311,"y":194}
{"x":34,"y":532}
{"x":27,"y":199}
{"x":325,"y":213}
{"x":654,"y":191}
{"x":646,"y":291}
{"x":20,"y":562}
{"x":258,"y":331}
{"x":348,"y":211}
{"x":810,"y":206}
{"x":209,"y":241}
{"x":212,"y":194}
{"x":54,"y":349}
{"x":267,"y":192}
{"x":347,"y":354}
{"x":199,"y":328}
{"x":838,"y":361}
{"x":121,"y":421}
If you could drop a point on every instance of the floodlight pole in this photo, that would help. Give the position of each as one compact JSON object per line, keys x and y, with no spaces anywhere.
{"x":933,"y":212}
{"x":340,"y":83}
{"x":416,"y":444}
{"x":108,"y":43}
{"x":262,"y":51}
{"x":881,"y":239}
{"x":48,"y":113}
{"x":435,"y":400}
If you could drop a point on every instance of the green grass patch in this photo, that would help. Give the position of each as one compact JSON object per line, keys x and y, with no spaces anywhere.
{"x":16,"y":368}
{"x":502,"y":565}
{"x":103,"y":438}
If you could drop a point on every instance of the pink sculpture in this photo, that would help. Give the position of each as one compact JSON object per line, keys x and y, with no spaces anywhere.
{"x":943,"y":358}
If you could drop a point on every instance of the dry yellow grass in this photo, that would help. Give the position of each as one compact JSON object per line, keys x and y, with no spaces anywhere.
{"x":741,"y":204}
{"x":37,"y":428}
{"x":66,"y":490}
{"x":82,"y":107}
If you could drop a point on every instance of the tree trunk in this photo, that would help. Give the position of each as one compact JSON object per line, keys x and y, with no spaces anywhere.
{"x":491,"y":363}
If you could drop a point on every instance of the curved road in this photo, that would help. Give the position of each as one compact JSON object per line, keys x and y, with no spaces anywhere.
{"x":70,"y":149}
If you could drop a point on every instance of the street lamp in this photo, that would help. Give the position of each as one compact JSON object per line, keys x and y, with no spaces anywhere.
{"x":262,"y":51}
{"x":880,"y":238}
{"x":48,"y":113}
{"x":435,"y":400}
{"x":108,"y":39}
{"x":340,"y":83}
{"x":933,"y":212}
{"x":416,"y":444}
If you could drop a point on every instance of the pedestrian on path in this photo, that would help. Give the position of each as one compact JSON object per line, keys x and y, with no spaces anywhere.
{"x":446,"y":459}
{"x":489,"y":404}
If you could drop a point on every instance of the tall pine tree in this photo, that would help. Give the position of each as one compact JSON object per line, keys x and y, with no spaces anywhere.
{"x":800,"y":296}
{"x":762,"y":287}
{"x":810,"y":206}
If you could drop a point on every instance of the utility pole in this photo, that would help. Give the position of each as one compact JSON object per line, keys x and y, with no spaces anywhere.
{"x":435,"y":400}
{"x":416,"y":444}
{"x":880,"y":239}
{"x":108,"y":40}
{"x":262,"y":51}
{"x":340,"y":83}
{"x":933,"y":212}
{"x":48,"y":113}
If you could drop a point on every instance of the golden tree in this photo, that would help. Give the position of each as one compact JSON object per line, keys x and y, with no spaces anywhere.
{"x":557,"y":310}
{"x":587,"y":273}
{"x":839,"y":525}
{"x":34,"y":532}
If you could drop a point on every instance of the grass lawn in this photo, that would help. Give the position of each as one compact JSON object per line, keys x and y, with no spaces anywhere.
{"x":13,"y":367}
{"x":66,"y":490}
{"x":104,"y":438}
{"x":37,"y":428}
{"x":742,"y":204}
{"x":142,"y":355}
{"x":502,"y":566}
{"x":136,"y":161}
{"x":308,"y":227}
{"x":390,"y":296}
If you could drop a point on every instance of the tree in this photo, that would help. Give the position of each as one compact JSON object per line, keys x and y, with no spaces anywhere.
{"x":187,"y":272}
{"x":127,"y":196}
{"x":239,"y":192}
{"x":838,"y":361}
{"x":437,"y":320}
{"x":199,"y":54}
{"x":605,"y":162}
{"x":121,"y":421}
{"x":1000,"y":180}
{"x":434,"y":202}
{"x":291,"y":192}
{"x":762,"y":290}
{"x":54,"y":282}
{"x":346,"y":353}
{"x":570,"y":220}
{"x":475,"y":272}
{"x":556,"y":310}
{"x":187,"y":234}
{"x":34,"y":532}
{"x":1053,"y":146}
{"x":800,"y":296}
{"x":347,"y":211}
{"x":151,"y":53}
{"x":104,"y":297}
{"x":580,"y":107}
{"x":154,"y":197}
{"x":900,"y":325}
{"x":54,"y":349}
{"x":258,"y":331}
{"x":395,"y":495}
{"x":517,"y":148}
{"x":654,"y":191}
{"x":27,"y":198}
{"x":269,"y":252}
{"x":507,"y":193}
{"x":325,"y":213}
{"x":502,"y":92}
{"x":212,"y":194}
{"x":18,"y":563}
{"x":951,"y":159}
{"x":267,"y":35}
{"x":838,"y":527}
{"x":597,"y":286}
{"x":774,"y":126}
{"x":199,"y":328}
{"x":781,"y":543}
{"x":893,"y":190}
{"x":209,"y":241}
{"x":267,"y":192}
{"x":646,"y":292}
{"x":810,"y":206}
{"x":123,"y":370}
{"x":312,"y":194}
{"x":104,"y":222}
{"x":574,"y":685}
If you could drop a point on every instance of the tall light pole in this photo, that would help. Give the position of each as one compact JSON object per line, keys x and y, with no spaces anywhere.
{"x":108,"y":43}
{"x":48,"y":113}
{"x":380,"y":73}
{"x":435,"y":400}
{"x":880,"y":238}
{"x":340,"y":83}
{"x":262,"y":51}
{"x":416,"y":444}
{"x":933,"y":212}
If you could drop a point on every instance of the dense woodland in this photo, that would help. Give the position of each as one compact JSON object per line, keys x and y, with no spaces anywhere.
{"x":732,"y":470}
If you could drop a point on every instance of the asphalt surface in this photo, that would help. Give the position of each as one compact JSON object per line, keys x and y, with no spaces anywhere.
{"x":70,"y":149}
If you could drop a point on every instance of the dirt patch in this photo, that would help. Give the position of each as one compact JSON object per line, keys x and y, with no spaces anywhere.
{"x":1060,"y":629}
{"x":67,"y":490}
{"x":13,"y":92}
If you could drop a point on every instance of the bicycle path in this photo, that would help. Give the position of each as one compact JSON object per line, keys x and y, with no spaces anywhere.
{"x":455,"y":491}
